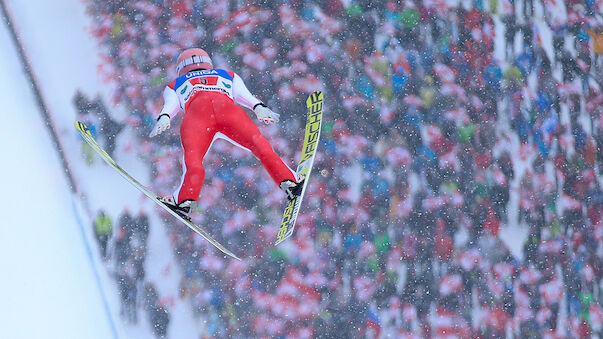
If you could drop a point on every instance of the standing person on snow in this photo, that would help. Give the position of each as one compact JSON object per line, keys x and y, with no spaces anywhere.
{"x":209,"y":97}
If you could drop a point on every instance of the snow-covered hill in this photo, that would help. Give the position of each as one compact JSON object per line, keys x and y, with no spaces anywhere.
{"x":49,"y":288}
{"x":53,"y":275}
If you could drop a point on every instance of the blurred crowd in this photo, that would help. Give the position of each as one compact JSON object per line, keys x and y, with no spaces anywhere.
{"x":445,"y":124}
{"x":125,"y":251}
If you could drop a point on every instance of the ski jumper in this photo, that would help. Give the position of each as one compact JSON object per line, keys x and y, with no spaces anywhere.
{"x":209,"y":101}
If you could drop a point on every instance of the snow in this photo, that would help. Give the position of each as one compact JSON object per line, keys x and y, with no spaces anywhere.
{"x":49,"y":289}
{"x":57,"y":278}
{"x":53,"y":277}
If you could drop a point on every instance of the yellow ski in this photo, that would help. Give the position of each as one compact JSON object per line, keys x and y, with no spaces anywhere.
{"x":85,"y":132}
{"x":304,"y":167}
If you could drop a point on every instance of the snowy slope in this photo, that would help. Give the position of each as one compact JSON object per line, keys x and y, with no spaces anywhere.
{"x":48,"y":287}
{"x":65,"y":58}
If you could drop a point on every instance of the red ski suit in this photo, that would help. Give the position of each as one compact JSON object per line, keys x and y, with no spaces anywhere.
{"x":209,"y":100}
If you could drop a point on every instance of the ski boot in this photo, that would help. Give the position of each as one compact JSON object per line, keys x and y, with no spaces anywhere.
{"x":291,"y":188}
{"x":182,"y":209}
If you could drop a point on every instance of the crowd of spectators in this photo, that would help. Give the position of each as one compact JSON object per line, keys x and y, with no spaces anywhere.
{"x":130,"y":248}
{"x":432,"y":144}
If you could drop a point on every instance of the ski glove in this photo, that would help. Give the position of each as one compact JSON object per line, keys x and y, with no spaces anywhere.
{"x":265,"y":114}
{"x":163,"y":123}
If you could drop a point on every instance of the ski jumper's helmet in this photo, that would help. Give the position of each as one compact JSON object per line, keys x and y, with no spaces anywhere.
{"x":192,"y":59}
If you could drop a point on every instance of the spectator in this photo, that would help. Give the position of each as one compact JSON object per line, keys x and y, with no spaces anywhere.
{"x":103,"y":229}
{"x":160,"y":319}
{"x":108,"y":125}
{"x":150,"y":296}
{"x":122,"y":247}
{"x":142,"y":227}
{"x":96,"y":114}
{"x":127,"y":292}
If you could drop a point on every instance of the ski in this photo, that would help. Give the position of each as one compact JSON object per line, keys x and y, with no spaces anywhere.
{"x":304,"y":167}
{"x":87,"y":136}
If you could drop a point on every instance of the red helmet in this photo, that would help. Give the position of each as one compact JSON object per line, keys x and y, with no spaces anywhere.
{"x":192,"y":59}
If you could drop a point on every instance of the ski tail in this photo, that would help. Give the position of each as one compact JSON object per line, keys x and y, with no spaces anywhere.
{"x":306,"y":161}
{"x":87,"y":136}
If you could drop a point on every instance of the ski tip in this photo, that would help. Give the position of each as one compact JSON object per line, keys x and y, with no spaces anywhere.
{"x":314,"y":98}
{"x":224,"y":250}
{"x":80,"y":126}
{"x":229,"y":254}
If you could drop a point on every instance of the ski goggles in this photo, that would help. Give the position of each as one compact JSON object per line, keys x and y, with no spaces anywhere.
{"x":195,"y":59}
